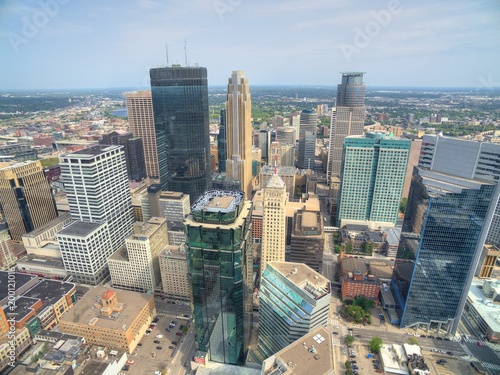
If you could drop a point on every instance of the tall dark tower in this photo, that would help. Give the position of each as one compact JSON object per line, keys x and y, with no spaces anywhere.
{"x":180,"y":107}
{"x":221,"y":142}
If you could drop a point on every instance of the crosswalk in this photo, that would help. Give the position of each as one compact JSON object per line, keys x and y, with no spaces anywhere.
{"x":475,"y":341}
{"x":491,"y":366}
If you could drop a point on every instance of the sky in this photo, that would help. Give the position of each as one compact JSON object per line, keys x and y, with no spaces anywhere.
{"x":61,"y":44}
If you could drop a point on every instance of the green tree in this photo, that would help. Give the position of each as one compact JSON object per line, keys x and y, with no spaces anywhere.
{"x":412,"y":341}
{"x":349,"y":339}
{"x":363,"y":302}
{"x":348,"y":368}
{"x":402,"y":205}
{"x":375,"y":344}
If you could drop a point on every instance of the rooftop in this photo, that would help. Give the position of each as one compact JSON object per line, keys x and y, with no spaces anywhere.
{"x":21,"y":279}
{"x":60,"y":219}
{"x":311,"y":354}
{"x":50,"y":291}
{"x":281,"y":170}
{"x":23,"y":307}
{"x":91,"y":151}
{"x":488,"y":310}
{"x":218,"y":201}
{"x":80,"y":228}
{"x":304,"y":277}
{"x":177,"y":252}
{"x":275,"y":182}
{"x":352,"y":264}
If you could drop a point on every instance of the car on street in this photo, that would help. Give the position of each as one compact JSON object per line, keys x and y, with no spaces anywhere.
{"x":439,"y":338}
{"x":178,"y":333}
{"x":130,"y":362}
{"x":335,"y":333}
{"x":174,"y":342}
{"x":431,"y":337}
{"x":449,"y":353}
{"x":479,"y":343}
{"x":139,"y":344}
{"x":446,"y":339}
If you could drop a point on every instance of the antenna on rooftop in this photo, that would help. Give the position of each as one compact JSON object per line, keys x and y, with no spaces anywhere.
{"x":185,"y":53}
{"x":166,"y":50}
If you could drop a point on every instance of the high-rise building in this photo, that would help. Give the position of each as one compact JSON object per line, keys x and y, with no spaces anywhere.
{"x":349,"y":118}
{"x":96,"y":183}
{"x":141,"y":125}
{"x":219,"y":245}
{"x":180,"y":106}
{"x":135,"y":265}
{"x":287,"y":174}
{"x":294,"y":299}
{"x":221,"y":142}
{"x":285,"y":135}
{"x":264,"y":143}
{"x":25,"y":198}
{"x":464,"y":158}
{"x":174,"y":273}
{"x":308,"y":122}
{"x":7,"y":253}
{"x":307,"y":239}
{"x":239,"y":132}
{"x":446,"y":222}
{"x":307,"y":147}
{"x":134,"y":152}
{"x":372,"y":179}
{"x":273,"y":222}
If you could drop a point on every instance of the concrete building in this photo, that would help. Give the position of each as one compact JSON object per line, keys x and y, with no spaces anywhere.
{"x":273,"y":222}
{"x":174,"y":273}
{"x":285,"y":154}
{"x":482,"y":308}
{"x":294,"y":300}
{"x":135,"y":266}
{"x":174,"y":207}
{"x":308,"y":122}
{"x":239,"y":132}
{"x":108,"y":317}
{"x":311,"y":354}
{"x":8,"y":256}
{"x":307,"y":148}
{"x":487,"y":261}
{"x":25,"y":198}
{"x":219,"y":246}
{"x":43,"y":241}
{"x":307,"y":239}
{"x":21,"y":341}
{"x":43,"y":266}
{"x":141,"y":124}
{"x":287,"y":174}
{"x":413,"y":159}
{"x":285,"y":135}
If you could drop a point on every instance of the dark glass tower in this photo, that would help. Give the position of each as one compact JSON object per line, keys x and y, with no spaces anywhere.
{"x":445,"y":226}
{"x":180,"y":107}
{"x":221,"y":142}
{"x":219,"y":242}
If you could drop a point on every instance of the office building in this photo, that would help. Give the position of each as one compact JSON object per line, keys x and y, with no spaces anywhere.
{"x":25,"y":198}
{"x":307,"y":147}
{"x":294,"y":300}
{"x":286,"y":135}
{"x":7,"y":253}
{"x":96,"y":184}
{"x":239,"y":132}
{"x":307,"y":239}
{"x":174,"y":273}
{"x":180,"y":106}
{"x":348,"y":118}
{"x":487,"y":261}
{"x":372,"y":179}
{"x":221,"y":142}
{"x":467,"y":159}
{"x":141,"y":125}
{"x":283,"y":154}
{"x":273,"y":222}
{"x":111,"y":318}
{"x":308,"y":122}
{"x":135,"y":265}
{"x":413,"y":159}
{"x":482,"y":307}
{"x":287,"y":174}
{"x":219,"y":246}
{"x":20,"y":340}
{"x":446,"y":222}
{"x":264,"y":143}
{"x":134,"y":152}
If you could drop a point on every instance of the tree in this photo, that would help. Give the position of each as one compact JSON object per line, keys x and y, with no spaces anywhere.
{"x":348,"y":340}
{"x":348,"y":368}
{"x":375,"y":344}
{"x":402,"y":205}
{"x":363,"y":302}
{"x":412,"y":341}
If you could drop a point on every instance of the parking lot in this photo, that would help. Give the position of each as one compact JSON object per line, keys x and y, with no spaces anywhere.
{"x":154,"y":353}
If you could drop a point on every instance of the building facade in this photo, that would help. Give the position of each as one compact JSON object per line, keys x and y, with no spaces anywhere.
{"x":308,"y":122}
{"x":221,"y":142}
{"x":446,"y":222}
{"x":174,"y":273}
{"x":141,"y":125}
{"x":180,"y":106}
{"x":219,"y":246}
{"x":294,"y":299}
{"x":307,"y":239}
{"x":307,"y":147}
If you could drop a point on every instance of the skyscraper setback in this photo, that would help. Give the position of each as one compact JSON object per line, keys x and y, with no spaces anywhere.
{"x":239,"y":132}
{"x":180,"y":106}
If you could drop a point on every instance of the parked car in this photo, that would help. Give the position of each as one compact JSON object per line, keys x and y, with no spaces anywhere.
{"x":178,"y":333}
{"x":159,"y":336}
{"x":174,"y":342}
{"x":439,"y":338}
{"x":130,"y":362}
{"x":171,"y":347}
{"x":159,"y":348}
{"x":156,"y":342}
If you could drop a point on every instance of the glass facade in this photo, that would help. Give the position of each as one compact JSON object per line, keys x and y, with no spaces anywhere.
{"x":180,"y":106}
{"x":444,"y":229}
{"x":220,"y":273}
{"x":221,"y":142}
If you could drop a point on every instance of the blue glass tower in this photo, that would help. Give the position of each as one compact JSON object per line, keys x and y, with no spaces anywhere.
{"x":446,"y":222}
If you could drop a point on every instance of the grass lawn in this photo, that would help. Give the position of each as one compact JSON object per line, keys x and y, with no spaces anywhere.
{"x":49,"y":162}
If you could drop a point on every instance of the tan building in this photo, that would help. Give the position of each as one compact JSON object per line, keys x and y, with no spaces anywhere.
{"x":174,"y":273}
{"x":7,"y":253}
{"x":487,"y":261}
{"x":285,"y":154}
{"x":24,"y":188}
{"x":287,"y":174}
{"x":141,"y":124}
{"x":413,"y":158}
{"x":21,"y":340}
{"x":135,"y":266}
{"x":109,"y":317}
{"x":273,"y":222}
{"x":239,"y":132}
{"x":307,"y":239}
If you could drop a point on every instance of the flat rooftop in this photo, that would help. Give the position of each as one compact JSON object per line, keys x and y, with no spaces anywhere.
{"x":309,"y":219}
{"x":23,"y":306}
{"x":281,"y":170}
{"x":80,"y":228}
{"x":44,"y":261}
{"x":303,"y":277}
{"x":120,"y":254}
{"x":50,"y":291}
{"x":175,"y":195}
{"x":20,"y":278}
{"x":91,"y":151}
{"x":311,"y":354}
{"x":489,"y":311}
{"x":58,"y":220}
{"x":84,"y":311}
{"x":218,"y":201}
{"x":177,"y":252}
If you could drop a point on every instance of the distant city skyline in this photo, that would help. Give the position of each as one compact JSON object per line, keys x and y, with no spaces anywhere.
{"x":62,"y":44}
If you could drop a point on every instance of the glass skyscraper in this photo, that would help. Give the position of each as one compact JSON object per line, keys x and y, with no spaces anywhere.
{"x":219,"y":245}
{"x":445,"y":226}
{"x":180,"y":107}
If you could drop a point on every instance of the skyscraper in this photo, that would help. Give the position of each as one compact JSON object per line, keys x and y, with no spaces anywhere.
{"x":239,"y":132}
{"x":25,"y":198}
{"x":294,"y":299}
{"x":307,"y":239}
{"x":141,"y":124}
{"x":180,"y":106}
{"x":349,"y":117}
{"x":446,"y":222}
{"x":307,"y":147}
{"x":221,"y":142}
{"x":273,"y":222}
{"x":308,"y":122}
{"x":134,"y":152}
{"x":372,"y":178}
{"x":219,"y":245}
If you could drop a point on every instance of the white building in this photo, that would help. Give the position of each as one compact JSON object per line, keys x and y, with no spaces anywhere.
{"x":174,"y":273}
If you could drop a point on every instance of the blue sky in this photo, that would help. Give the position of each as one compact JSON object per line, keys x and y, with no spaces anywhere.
{"x":111,"y":43}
